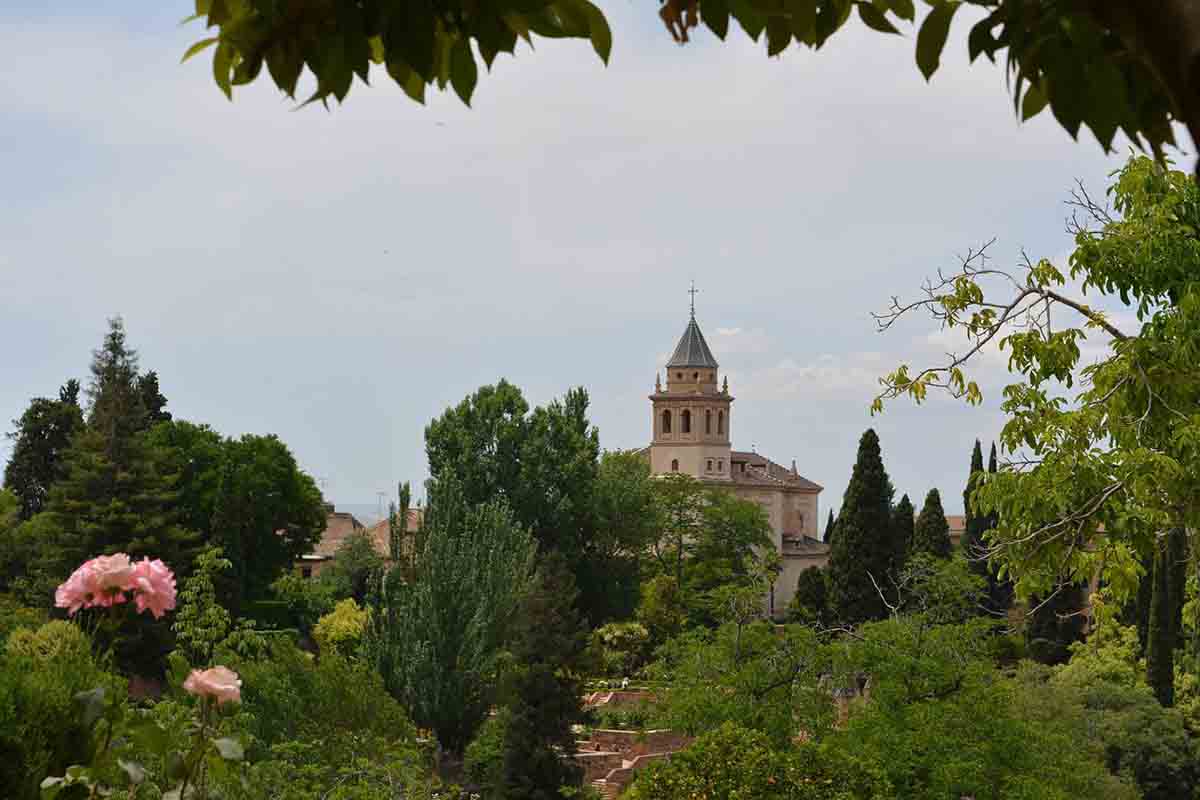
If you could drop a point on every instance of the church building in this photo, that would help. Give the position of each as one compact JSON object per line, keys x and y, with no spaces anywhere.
{"x":692,"y":425}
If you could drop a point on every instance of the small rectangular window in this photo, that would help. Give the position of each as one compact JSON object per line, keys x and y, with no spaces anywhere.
{"x":306,"y":572}
{"x":720,"y":465}
{"x":709,"y":467}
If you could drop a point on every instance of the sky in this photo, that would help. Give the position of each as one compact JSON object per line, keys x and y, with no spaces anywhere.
{"x":341,"y":277}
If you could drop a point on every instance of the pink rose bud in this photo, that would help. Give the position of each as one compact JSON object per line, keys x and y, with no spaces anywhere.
{"x":220,"y":683}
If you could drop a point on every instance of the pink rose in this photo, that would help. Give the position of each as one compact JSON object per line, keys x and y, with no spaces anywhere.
{"x":73,"y":594}
{"x":153,"y":587}
{"x":220,"y":683}
{"x":101,"y":581}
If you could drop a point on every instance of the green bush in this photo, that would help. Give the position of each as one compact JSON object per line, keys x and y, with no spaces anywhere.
{"x":274,"y":615}
{"x":483,"y":760}
{"x":620,"y":648}
{"x":307,"y":599}
{"x":340,"y":631}
{"x":14,"y":616}
{"x":289,"y":695}
{"x":41,"y":731}
{"x":732,"y":762}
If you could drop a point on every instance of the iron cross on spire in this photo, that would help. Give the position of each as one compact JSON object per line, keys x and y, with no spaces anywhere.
{"x":692,"y":291}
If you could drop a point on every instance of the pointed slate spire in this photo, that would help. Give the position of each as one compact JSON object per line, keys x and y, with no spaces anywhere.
{"x":692,"y":350}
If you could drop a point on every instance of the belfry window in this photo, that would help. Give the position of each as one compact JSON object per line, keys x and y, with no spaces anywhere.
{"x":707,"y":421}
{"x":695,"y":376}
{"x":674,"y":465}
{"x":666,"y":421}
{"x":685,"y":421}
{"x":708,"y":466}
{"x":720,"y":423}
{"x":720,"y":465}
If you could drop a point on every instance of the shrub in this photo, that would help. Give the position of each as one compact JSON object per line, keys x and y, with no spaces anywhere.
{"x":307,"y":599}
{"x":341,"y":630}
{"x":288,"y":695}
{"x":41,"y":732}
{"x":620,"y":648}
{"x":15,"y":616}
{"x":483,"y":760}
{"x":734,"y":762}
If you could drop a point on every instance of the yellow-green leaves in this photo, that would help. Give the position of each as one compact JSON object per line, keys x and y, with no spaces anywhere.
{"x":931,"y":39}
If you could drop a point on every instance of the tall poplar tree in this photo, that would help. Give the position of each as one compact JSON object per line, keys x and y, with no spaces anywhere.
{"x":903,"y":522}
{"x":931,"y":534}
{"x":862,"y":549}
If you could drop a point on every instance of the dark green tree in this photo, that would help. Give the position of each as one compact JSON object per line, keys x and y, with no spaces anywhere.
{"x":931,"y":534}
{"x":626,"y":522}
{"x":904,"y":518}
{"x":1165,"y":603}
{"x":810,"y":604}
{"x":248,"y":496}
{"x":862,"y":548}
{"x":356,"y":564}
{"x":999,"y":597}
{"x":544,"y":692}
{"x":1055,"y":623}
{"x":829,"y":527}
{"x":40,"y":441}
{"x":152,"y":399}
{"x":119,"y":493}
{"x":975,"y":524}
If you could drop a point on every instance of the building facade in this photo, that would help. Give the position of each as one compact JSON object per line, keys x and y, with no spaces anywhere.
{"x":691,"y":433}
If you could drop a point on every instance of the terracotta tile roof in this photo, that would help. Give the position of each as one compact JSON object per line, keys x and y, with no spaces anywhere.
{"x":761,"y":470}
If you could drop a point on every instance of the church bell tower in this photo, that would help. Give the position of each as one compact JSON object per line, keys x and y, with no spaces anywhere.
{"x":691,"y":417}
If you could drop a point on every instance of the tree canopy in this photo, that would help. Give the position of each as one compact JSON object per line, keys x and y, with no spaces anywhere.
{"x":1118,"y":65}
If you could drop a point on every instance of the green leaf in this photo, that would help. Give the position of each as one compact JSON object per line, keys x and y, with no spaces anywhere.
{"x":874,"y":19}
{"x":931,"y":39}
{"x":601,"y":34}
{"x":779,"y":35}
{"x":751,"y":21}
{"x":222,"y":63}
{"x":715,"y":14}
{"x":463,"y":72}
{"x":408,"y":80}
{"x":175,"y":767}
{"x":198,"y":46}
{"x":1034,"y":101}
{"x":230,"y":749}
{"x":285,"y":64}
{"x":804,"y":20}
{"x":411,"y":36}
{"x":904,"y":9}
{"x":980,"y":40}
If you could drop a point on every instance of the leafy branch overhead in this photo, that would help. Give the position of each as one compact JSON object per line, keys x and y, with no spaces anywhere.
{"x":1115,"y":65}
{"x":419,"y":42}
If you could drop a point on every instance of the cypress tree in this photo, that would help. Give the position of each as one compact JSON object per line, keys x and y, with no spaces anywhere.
{"x":829,"y":528}
{"x":975,"y":524}
{"x":1165,"y":602}
{"x":862,"y":549}
{"x":999,"y":590}
{"x":931,"y":534}
{"x":545,"y":695}
{"x":903,"y":521}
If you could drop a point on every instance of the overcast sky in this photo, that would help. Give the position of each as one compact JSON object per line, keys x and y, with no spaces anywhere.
{"x":339,"y":278}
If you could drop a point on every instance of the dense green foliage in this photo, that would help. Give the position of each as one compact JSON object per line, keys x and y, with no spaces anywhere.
{"x":904,"y":520}
{"x":810,"y":603}
{"x":437,"y":640}
{"x":42,"y":436}
{"x":862,"y":550}
{"x":931,"y":533}
{"x":734,"y":762}
{"x":1120,"y":453}
{"x":1110,"y":66}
